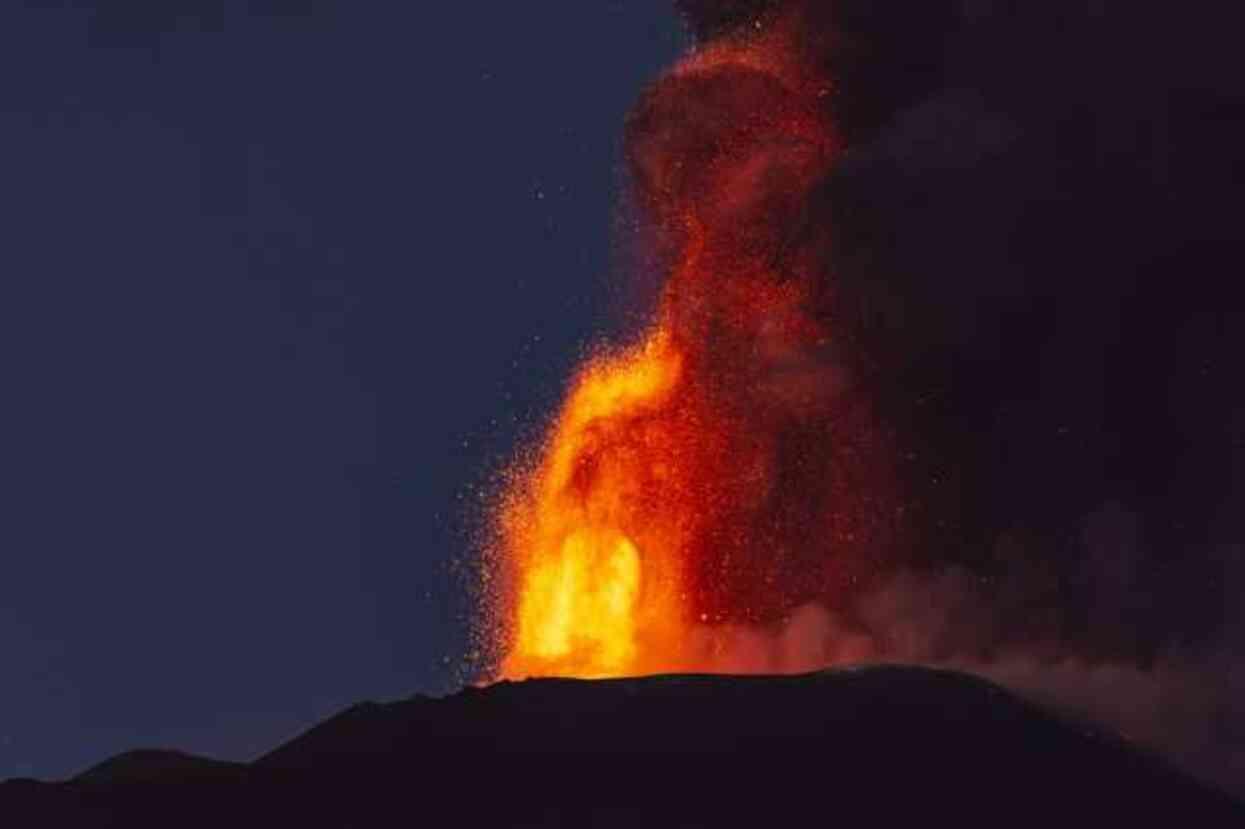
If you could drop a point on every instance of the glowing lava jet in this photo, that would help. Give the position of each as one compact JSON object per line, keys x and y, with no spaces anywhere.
{"x":726,"y":468}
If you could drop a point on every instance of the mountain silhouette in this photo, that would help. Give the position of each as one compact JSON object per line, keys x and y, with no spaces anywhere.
{"x":882,"y":743}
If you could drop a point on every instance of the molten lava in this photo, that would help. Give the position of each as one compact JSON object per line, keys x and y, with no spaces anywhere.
{"x":594,"y":577}
{"x":727,"y":468}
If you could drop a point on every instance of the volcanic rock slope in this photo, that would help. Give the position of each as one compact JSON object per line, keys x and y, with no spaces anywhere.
{"x":885,"y":743}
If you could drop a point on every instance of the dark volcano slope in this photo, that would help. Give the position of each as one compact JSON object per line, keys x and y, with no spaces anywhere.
{"x":884,"y":743}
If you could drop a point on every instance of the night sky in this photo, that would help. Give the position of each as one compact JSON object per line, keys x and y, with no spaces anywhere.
{"x":282,"y":280}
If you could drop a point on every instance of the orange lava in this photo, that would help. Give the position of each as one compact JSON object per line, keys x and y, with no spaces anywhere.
{"x":726,"y":468}
{"x":598,"y":589}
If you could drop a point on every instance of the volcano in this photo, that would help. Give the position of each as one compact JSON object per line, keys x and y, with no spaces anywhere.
{"x":882,"y":743}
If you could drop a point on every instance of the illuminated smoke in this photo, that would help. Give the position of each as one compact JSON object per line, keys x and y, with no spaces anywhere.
{"x":727,"y":468}
{"x":730,"y":491}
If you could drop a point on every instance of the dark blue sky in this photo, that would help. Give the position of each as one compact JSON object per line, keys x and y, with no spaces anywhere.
{"x":280,"y":282}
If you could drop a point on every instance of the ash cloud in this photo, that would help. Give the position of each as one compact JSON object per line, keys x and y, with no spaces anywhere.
{"x":1037,"y":249}
{"x":1035,"y":226}
{"x":1048,"y":237}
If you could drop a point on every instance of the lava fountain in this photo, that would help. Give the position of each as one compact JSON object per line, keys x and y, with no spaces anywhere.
{"x":727,"y":467}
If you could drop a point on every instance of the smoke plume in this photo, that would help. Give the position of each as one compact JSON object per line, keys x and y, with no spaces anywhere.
{"x":945,"y":369}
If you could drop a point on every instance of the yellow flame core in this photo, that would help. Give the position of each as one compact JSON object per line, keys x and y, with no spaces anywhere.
{"x":583,"y":600}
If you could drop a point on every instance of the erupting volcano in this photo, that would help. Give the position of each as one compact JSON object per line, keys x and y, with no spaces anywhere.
{"x":728,"y":467}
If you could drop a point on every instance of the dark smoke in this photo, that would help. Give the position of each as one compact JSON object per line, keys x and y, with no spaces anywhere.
{"x":1034,"y":243}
